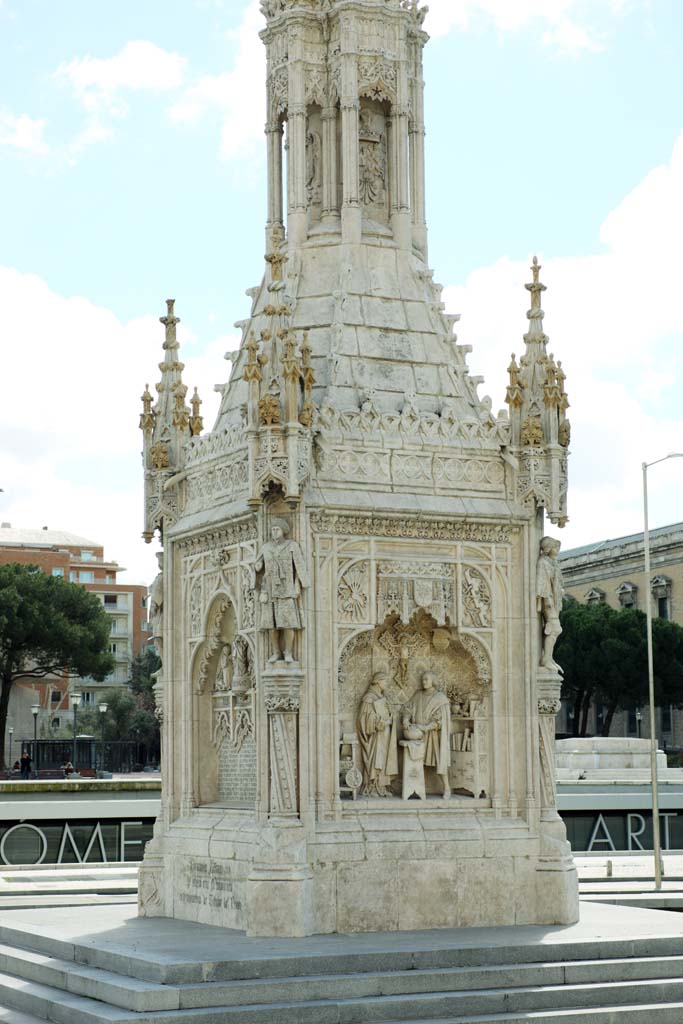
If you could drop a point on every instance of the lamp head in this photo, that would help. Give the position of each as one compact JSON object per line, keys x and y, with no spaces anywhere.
{"x":35,"y":708}
{"x":75,"y":699}
{"x":11,"y":730}
{"x":103,"y":707}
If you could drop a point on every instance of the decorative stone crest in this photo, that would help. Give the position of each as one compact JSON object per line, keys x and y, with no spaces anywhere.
{"x":353,"y":593}
{"x":405,"y":588}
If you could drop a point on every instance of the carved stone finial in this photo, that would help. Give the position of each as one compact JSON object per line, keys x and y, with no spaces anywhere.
{"x":147,"y":416}
{"x":170,"y":322}
{"x":196,"y":421}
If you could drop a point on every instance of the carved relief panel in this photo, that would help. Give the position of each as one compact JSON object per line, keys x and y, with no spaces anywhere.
{"x":387,"y":678}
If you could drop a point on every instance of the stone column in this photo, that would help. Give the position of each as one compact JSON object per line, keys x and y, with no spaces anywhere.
{"x":417,"y":165}
{"x":279,"y":886}
{"x":350,"y":108}
{"x":282,"y":705}
{"x":330,"y":200}
{"x":548,"y":707}
{"x":296,"y":137}
{"x":275,"y":199}
{"x":402,"y":218}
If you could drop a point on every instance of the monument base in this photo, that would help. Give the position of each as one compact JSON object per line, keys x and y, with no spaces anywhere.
{"x":396,"y":871}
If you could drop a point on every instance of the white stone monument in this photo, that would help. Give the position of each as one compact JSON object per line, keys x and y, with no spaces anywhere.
{"x":357,"y":604}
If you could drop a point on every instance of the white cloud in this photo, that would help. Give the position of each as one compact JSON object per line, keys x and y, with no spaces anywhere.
{"x":101,"y":82}
{"x":22,"y":132}
{"x":616,"y":321}
{"x":73,"y":376}
{"x":561,"y":29}
{"x":237,"y":95}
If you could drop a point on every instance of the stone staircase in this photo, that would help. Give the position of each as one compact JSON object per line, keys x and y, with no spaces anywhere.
{"x":584,"y":982}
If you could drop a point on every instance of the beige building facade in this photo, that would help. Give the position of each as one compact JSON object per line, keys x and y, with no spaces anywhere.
{"x":613,"y":572}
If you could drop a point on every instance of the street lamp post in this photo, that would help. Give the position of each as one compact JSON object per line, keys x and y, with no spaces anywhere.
{"x":103,"y":710}
{"x":75,"y":701}
{"x":35,"y":709}
{"x":639,"y":719}
{"x":656,"y":842}
{"x":10,"y":733}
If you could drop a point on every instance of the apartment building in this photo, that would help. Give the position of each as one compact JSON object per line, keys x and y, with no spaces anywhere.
{"x":81,"y":561}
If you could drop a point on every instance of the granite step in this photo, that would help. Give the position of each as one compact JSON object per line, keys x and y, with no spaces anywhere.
{"x":133,"y":994}
{"x":586,"y":1002}
{"x":671,"y":1013}
{"x":259,"y":961}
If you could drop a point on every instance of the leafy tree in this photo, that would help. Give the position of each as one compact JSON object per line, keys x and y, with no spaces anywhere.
{"x":142,"y":677}
{"x":603,"y":653}
{"x":47,"y":627}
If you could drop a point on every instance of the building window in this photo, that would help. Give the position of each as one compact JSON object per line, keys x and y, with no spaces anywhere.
{"x":595,"y":596}
{"x":112,"y":648}
{"x":628,"y":595}
{"x":661,"y":595}
{"x":144,"y":602}
{"x":110,"y":578}
{"x":88,"y":697}
{"x":88,"y":556}
{"x":54,"y":724}
{"x":58,"y":572}
{"x":72,"y":576}
{"x":110,"y":599}
{"x":56,"y":697}
{"x":86,"y":576}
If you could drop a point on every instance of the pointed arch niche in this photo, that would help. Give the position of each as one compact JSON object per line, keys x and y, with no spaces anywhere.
{"x":224,"y":749}
{"x":404,"y":651}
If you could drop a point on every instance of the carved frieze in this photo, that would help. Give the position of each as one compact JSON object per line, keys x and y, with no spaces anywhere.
{"x":411,"y":425}
{"x":413,"y":528}
{"x":237,"y":532}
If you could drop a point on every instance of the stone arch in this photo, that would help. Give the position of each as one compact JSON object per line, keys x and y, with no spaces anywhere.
{"x":210,"y":660}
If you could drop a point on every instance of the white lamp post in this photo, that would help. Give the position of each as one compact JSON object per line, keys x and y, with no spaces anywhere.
{"x":656,"y":843}
{"x":35,"y":710}
{"x":102,"y":706}
{"x":11,"y":737}
{"x":75,"y":701}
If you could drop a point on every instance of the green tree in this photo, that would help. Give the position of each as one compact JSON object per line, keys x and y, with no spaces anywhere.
{"x":603,"y":654}
{"x":48,"y":627}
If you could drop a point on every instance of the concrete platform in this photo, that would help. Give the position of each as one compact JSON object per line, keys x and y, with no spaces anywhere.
{"x":104,"y":964}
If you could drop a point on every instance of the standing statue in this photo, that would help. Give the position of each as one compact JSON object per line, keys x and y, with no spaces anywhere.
{"x":281,"y":574}
{"x":376,"y":728}
{"x":549,"y":593}
{"x":429,"y":711}
{"x":156,"y":606}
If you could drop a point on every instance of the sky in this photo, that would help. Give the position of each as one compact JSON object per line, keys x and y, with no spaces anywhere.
{"x":132,"y":169}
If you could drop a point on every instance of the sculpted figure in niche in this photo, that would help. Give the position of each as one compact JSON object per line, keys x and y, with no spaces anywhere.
{"x":156,"y":606}
{"x":376,"y":729}
{"x":224,"y":673}
{"x":281,"y":575}
{"x":429,"y":711}
{"x":549,"y":591}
